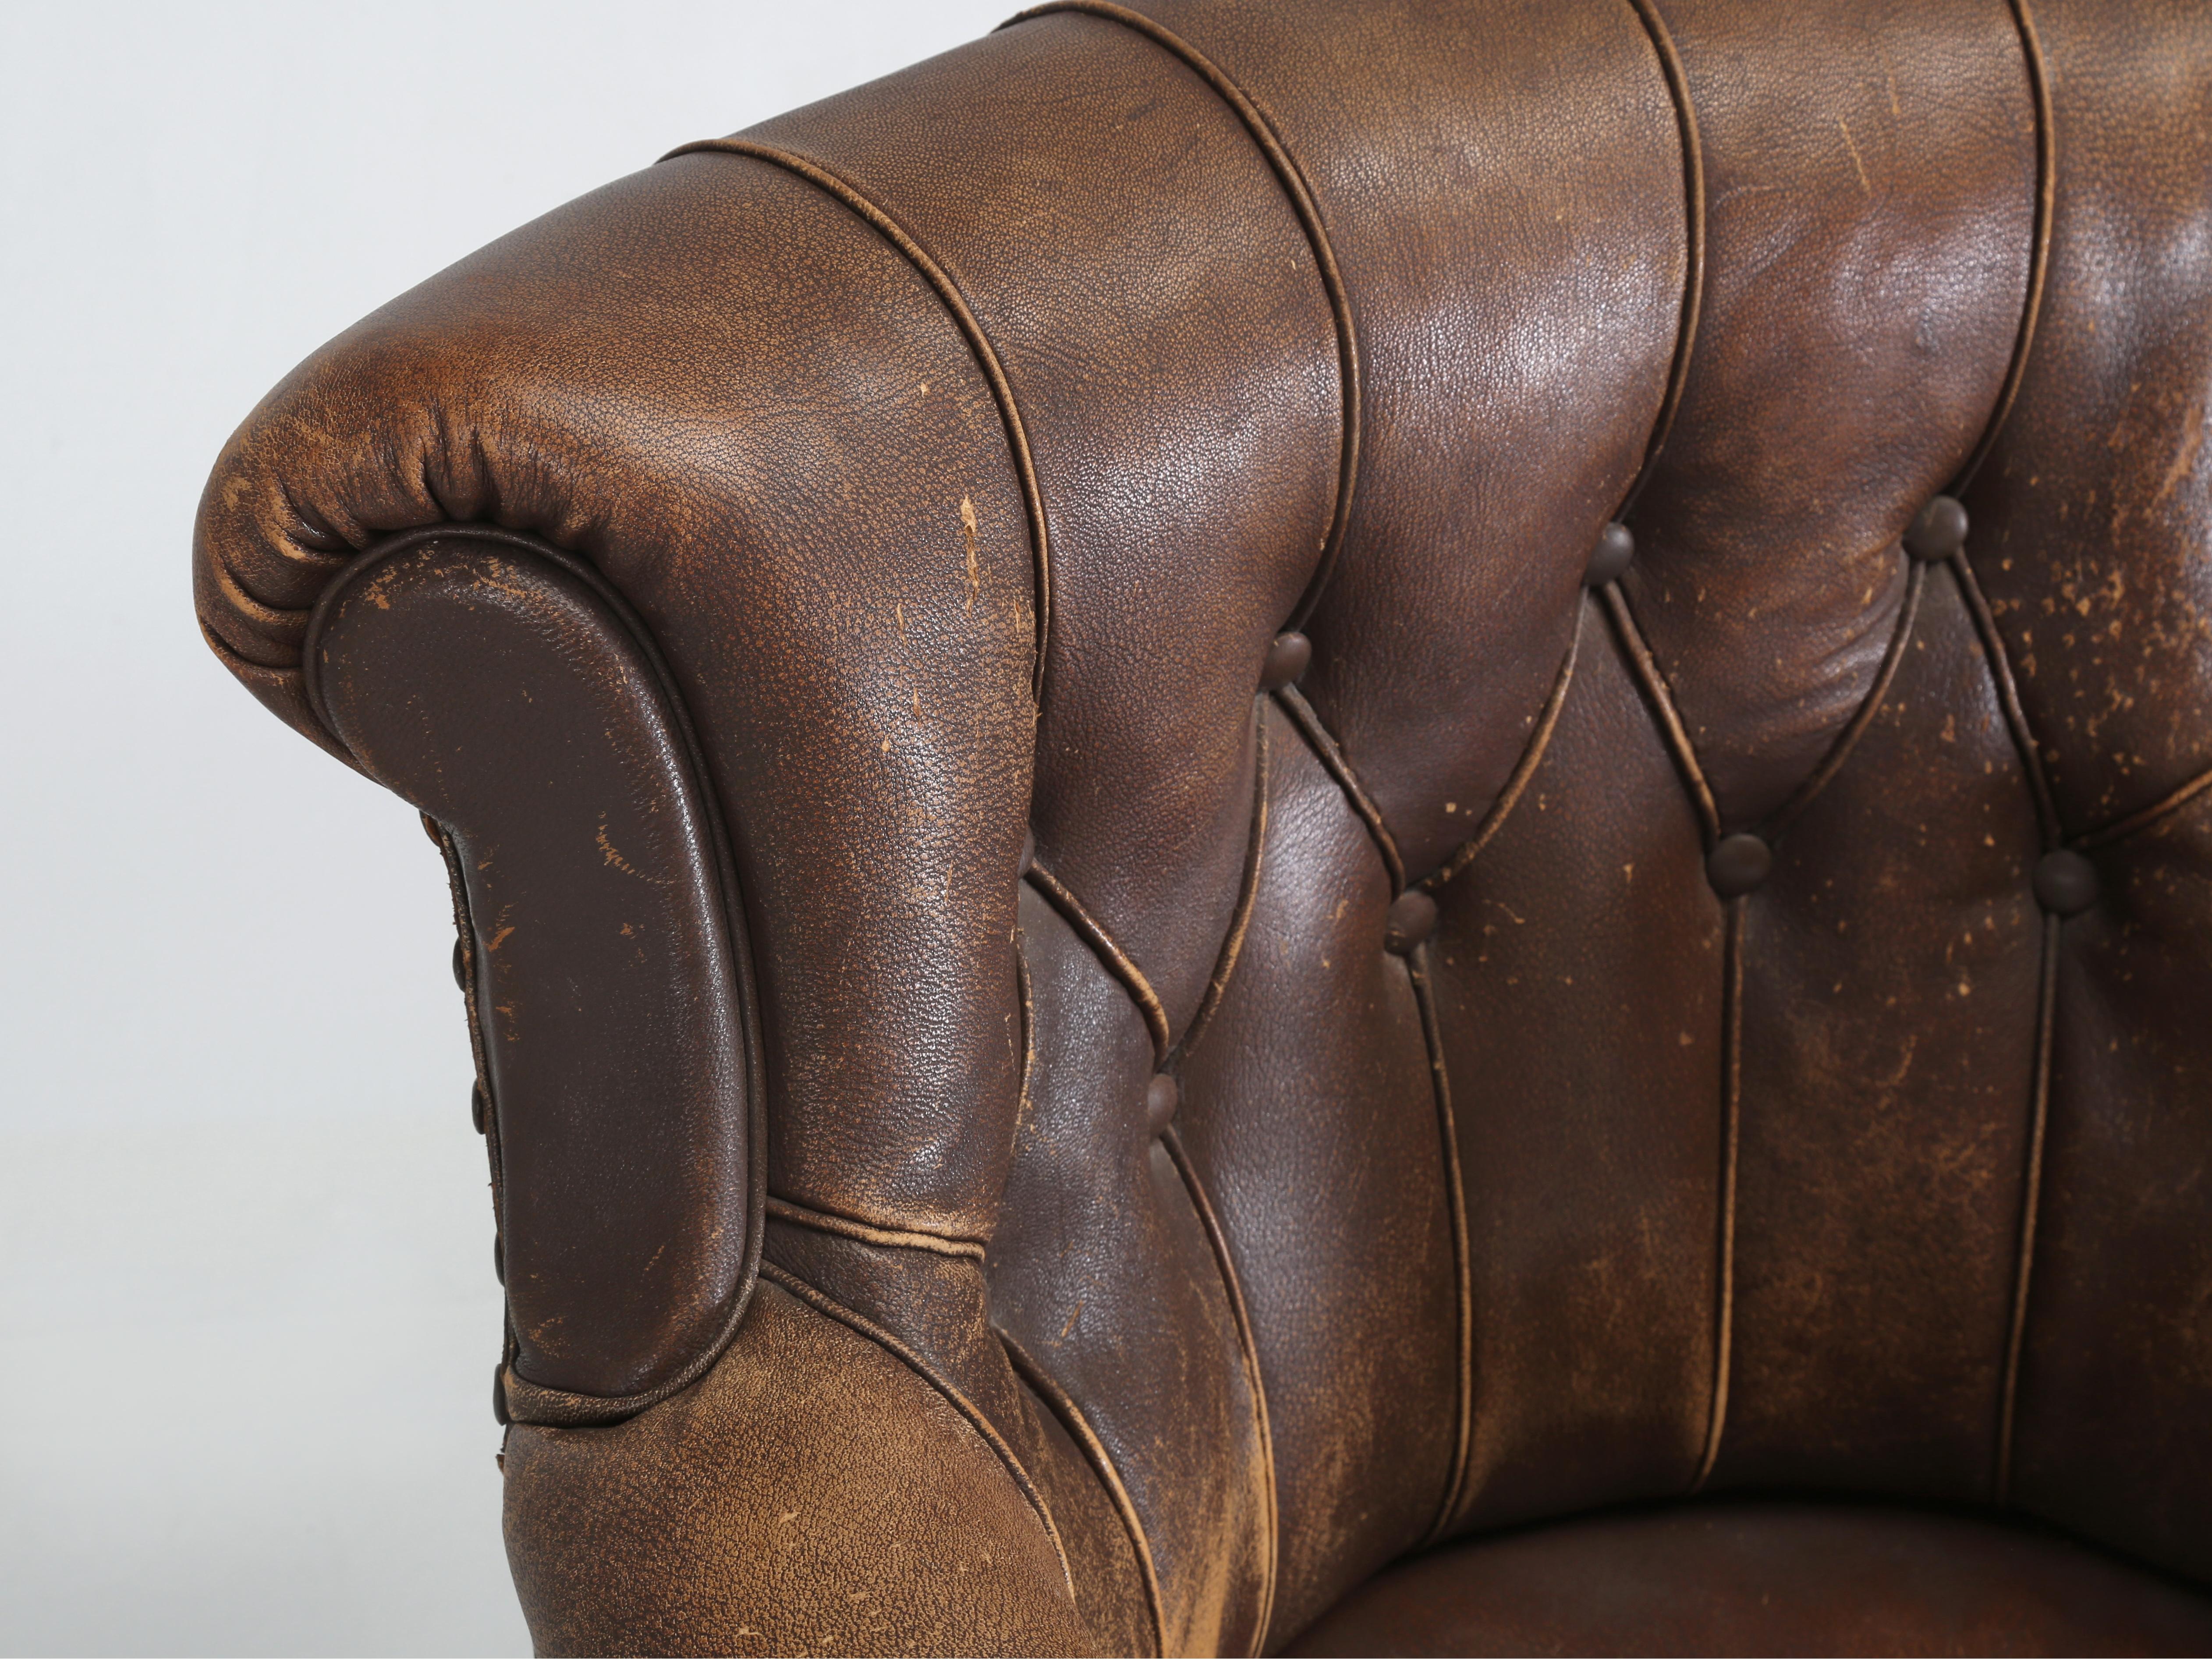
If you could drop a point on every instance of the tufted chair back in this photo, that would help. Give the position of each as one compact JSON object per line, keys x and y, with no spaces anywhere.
{"x":1233,"y":786}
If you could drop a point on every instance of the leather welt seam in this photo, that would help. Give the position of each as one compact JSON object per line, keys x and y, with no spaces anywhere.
{"x":1455,"y":1477}
{"x":1110,"y":955}
{"x":963,"y":317}
{"x":2007,"y":688}
{"x":2031,"y":1196}
{"x":1645,"y":668}
{"x":1731,"y":1138}
{"x":1293,"y":180}
{"x":1332,"y":759}
{"x":2123,"y":828}
{"x":1079,"y":1428}
{"x":1532,"y":756}
{"x":822,"y":1221}
{"x":1250,"y":1351}
{"x":1916,"y":581}
{"x":862,"y":1326}
{"x":1693,"y":236}
{"x":1232,"y":942}
{"x":2039,"y":259}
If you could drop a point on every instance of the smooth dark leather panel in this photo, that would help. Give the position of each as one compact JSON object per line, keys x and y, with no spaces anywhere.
{"x":1766,"y":1578}
{"x":501,"y":689}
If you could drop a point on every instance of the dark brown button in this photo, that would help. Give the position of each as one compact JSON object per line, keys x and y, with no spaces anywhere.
{"x":430,"y":828}
{"x":1028,"y":855}
{"x":1938,"y":531}
{"x":1610,"y":559}
{"x":2066,"y":884}
{"x":1161,"y":1097}
{"x":461,"y":966}
{"x":1738,"y":865}
{"x":499,"y":1405}
{"x":478,"y":1113}
{"x":1286,"y":660}
{"x":1411,"y":919}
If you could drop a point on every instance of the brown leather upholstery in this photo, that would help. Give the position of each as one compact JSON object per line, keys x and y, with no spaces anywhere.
{"x":1032,"y":1111}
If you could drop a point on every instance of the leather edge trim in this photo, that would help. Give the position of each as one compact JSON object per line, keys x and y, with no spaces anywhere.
{"x":824,"y":1221}
{"x":1232,"y":942}
{"x":1645,"y":670}
{"x":1293,"y":180}
{"x":1454,"y":1492}
{"x":527,"y":1402}
{"x":1110,"y":955}
{"x":1307,"y":721}
{"x":964,"y":317}
{"x":2031,"y":1198}
{"x":1731,"y":1136}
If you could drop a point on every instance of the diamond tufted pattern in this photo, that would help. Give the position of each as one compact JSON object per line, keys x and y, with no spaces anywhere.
{"x":1456,"y":753}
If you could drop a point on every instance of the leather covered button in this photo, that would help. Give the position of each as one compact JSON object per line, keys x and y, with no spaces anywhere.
{"x":1161,"y":1097}
{"x":1412,"y":918}
{"x":1286,"y":660}
{"x":2066,"y":884}
{"x":1938,"y":532}
{"x":461,"y":966}
{"x":1738,"y":865}
{"x":479,"y":1112}
{"x":1610,"y":559}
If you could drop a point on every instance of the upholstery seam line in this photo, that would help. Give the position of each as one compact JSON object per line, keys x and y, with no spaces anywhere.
{"x":829,"y":1221}
{"x":1332,"y":761}
{"x":1062,"y":1405}
{"x":2038,"y":264}
{"x":1693,"y":221}
{"x":986,"y":355}
{"x":1454,"y":1492}
{"x":2135,"y":822}
{"x":1892,"y":658}
{"x":1517,"y":782}
{"x":1652,"y":682}
{"x":1731,"y":1138}
{"x":1110,"y":955}
{"x":1250,"y":1351}
{"x":1232,"y":943}
{"x":860,"y":1325}
{"x":2046,"y":1011}
{"x":1307,"y":211}
{"x":2007,"y":689}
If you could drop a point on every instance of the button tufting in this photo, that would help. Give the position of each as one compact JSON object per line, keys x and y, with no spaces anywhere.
{"x":461,"y":966}
{"x":1287,"y":658}
{"x":1938,"y":531}
{"x":1738,"y":865}
{"x":1610,"y":559}
{"x":2066,"y":884}
{"x":1161,"y":1097}
{"x":1411,"y":919}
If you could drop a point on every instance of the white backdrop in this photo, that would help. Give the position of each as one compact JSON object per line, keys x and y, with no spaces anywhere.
{"x":247,"y":1319}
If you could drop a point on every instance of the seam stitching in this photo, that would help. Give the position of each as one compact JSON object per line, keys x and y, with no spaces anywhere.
{"x":1693,"y":220}
{"x":2121,"y":829}
{"x":956,"y":304}
{"x":1110,"y":955}
{"x":1307,"y":211}
{"x":828,"y":1221}
{"x":1649,"y":679}
{"x":1063,"y":1406}
{"x":1250,"y":1351}
{"x":1332,"y":759}
{"x":1232,"y":943}
{"x":1532,"y":755}
{"x":1731,"y":1136}
{"x":860,"y":1325}
{"x":2046,"y":1008}
{"x":1455,"y":1478}
{"x":2007,"y":689}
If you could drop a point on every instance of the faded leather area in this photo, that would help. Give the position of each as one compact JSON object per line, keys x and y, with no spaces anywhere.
{"x":811,"y":1493}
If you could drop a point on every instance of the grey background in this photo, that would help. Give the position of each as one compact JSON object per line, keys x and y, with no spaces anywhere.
{"x":247,"y":1319}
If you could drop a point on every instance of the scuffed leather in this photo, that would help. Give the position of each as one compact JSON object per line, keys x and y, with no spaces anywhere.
{"x":964,"y":444}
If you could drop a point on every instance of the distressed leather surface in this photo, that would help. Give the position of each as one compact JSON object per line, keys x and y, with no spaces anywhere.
{"x":1730,"y":1022}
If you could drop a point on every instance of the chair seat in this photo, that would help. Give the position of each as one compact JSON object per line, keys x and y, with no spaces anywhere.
{"x":1795,"y":1577}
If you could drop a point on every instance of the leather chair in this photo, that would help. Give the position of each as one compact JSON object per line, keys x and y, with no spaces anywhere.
{"x":1292,"y":826}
